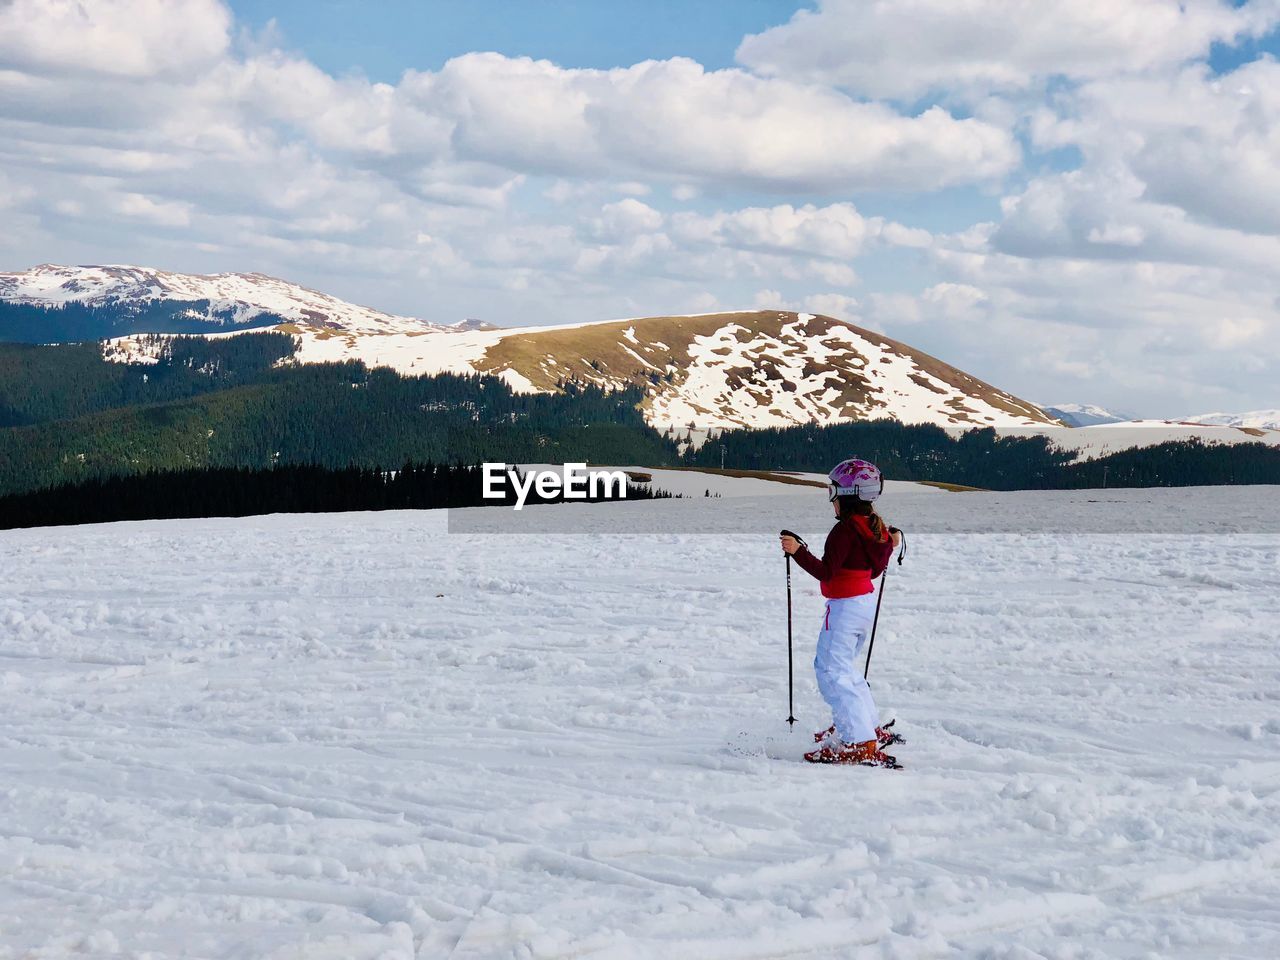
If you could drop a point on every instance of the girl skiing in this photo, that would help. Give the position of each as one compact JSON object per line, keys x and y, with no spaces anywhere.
{"x":857,"y":550}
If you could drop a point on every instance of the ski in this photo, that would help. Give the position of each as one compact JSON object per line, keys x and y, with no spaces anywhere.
{"x":833,"y":757}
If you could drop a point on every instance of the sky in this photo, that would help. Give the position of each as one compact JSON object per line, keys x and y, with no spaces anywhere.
{"x":1076,"y":200}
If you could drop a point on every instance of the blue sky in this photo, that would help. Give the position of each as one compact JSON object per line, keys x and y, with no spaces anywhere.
{"x":1074,"y":201}
{"x":385,"y":38}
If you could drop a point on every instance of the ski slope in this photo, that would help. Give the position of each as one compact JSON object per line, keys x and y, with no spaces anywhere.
{"x":361,"y":736}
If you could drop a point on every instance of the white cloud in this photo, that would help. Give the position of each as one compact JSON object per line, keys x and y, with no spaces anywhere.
{"x":1154,"y":334}
{"x":626,"y":218}
{"x":350,"y":114}
{"x":833,"y":305}
{"x":954,"y":300}
{"x":837,"y":231}
{"x":1157,"y":260}
{"x":11,"y":194}
{"x":785,"y":242}
{"x":1208,"y":144}
{"x":770,"y":300}
{"x":462,"y":187}
{"x":162,"y":214}
{"x":1105,"y":213}
{"x":1242,"y":331}
{"x":835,"y":274}
{"x":1120,"y":234}
{"x":894,"y":310}
{"x":898,"y":235}
{"x":563,"y":191}
{"x":828,"y":304}
{"x":672,"y":119}
{"x":704,"y":302}
{"x":908,"y":48}
{"x":124,"y":38}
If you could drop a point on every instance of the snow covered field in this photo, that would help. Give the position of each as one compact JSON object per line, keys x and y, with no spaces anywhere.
{"x":357,"y":736}
{"x":1089,"y":443}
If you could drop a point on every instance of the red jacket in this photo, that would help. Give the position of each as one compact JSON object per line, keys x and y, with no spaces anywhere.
{"x":851,"y":558}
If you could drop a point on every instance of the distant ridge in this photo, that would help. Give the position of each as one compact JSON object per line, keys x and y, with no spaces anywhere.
{"x":1255,"y":420}
{"x":1083,"y":414}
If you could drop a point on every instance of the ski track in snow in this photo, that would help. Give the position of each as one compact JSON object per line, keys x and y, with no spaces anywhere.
{"x":358,"y":736}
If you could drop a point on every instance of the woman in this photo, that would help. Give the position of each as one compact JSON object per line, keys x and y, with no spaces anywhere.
{"x":857,"y":550}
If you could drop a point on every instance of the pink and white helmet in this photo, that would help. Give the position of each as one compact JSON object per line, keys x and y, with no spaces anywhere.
{"x":857,"y":478}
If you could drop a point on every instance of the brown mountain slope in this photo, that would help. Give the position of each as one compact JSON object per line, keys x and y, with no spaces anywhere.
{"x":758,"y":368}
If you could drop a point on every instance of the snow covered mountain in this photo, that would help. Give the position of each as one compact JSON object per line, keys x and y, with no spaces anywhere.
{"x":1090,"y":415}
{"x":1083,"y":414}
{"x":756,"y":369}
{"x":239,"y":298}
{"x":1255,"y":420}
{"x":746,"y":369}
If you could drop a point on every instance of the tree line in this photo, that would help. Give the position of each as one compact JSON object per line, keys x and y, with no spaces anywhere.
{"x":983,"y":458}
{"x":238,"y":402}
{"x":82,"y":322}
{"x":40,"y":383}
{"x":978,"y":458}
{"x":244,"y":491}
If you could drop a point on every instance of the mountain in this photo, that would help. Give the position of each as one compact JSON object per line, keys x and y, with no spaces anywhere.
{"x":114,"y":297}
{"x":1083,"y":414}
{"x":738,"y":369}
{"x":1255,"y":420}
{"x":756,"y":369}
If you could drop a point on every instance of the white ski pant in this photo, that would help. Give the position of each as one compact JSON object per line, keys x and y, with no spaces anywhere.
{"x":845,"y":629}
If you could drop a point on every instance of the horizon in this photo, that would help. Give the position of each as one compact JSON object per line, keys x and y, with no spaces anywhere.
{"x":1059,"y":209}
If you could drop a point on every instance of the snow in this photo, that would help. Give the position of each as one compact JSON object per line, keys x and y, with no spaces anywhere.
{"x":246,"y":293}
{"x":359,"y":736}
{"x":132,"y":350}
{"x":1082,"y":414}
{"x":1261,"y":419}
{"x":1106,"y":438}
{"x":896,"y":385}
{"x":517,"y":381}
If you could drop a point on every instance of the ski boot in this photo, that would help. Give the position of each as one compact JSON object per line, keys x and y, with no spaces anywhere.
{"x":884,"y":735}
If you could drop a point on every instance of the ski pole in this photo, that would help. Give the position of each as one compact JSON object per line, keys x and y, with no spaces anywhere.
{"x":884,"y":579}
{"x":791,"y":703}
